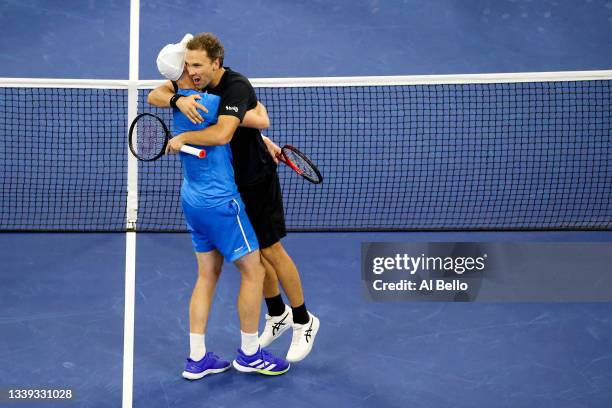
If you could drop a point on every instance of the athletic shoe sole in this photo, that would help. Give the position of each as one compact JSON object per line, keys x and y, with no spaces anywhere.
{"x":196,"y":376}
{"x":244,"y":369}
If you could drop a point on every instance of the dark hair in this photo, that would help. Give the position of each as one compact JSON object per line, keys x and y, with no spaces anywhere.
{"x":209,"y":43}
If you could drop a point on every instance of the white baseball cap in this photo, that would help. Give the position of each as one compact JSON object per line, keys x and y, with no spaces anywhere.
{"x":171,"y":59}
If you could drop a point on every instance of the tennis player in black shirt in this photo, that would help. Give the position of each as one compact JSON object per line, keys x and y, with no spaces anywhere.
{"x":256,"y":178}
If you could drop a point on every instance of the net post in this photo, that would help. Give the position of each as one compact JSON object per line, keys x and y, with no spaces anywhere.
{"x":132,"y":164}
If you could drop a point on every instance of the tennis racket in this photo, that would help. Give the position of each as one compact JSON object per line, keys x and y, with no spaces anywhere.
{"x":300,"y":163}
{"x":149,"y":137}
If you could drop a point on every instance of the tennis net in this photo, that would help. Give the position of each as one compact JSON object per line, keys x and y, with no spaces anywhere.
{"x":398,"y":153}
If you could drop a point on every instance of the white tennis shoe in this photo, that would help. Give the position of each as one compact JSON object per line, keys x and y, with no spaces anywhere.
{"x":275,"y":327}
{"x":303,"y":339}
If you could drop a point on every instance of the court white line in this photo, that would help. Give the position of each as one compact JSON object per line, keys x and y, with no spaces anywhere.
{"x":128,"y":326}
{"x":131,"y":215}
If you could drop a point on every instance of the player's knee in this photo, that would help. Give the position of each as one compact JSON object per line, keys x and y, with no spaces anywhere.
{"x":251,"y":267}
{"x":254,"y":273}
{"x":274,"y":253}
{"x":209,"y":272}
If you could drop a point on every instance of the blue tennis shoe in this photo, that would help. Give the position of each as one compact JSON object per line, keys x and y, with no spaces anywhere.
{"x":262,"y":362}
{"x":209,"y":364}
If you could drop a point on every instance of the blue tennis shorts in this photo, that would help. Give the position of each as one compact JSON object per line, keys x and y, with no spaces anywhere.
{"x":225,"y":227}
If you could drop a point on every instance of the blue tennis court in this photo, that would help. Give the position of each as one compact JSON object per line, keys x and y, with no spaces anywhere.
{"x":63,"y":327}
{"x":432,"y":123}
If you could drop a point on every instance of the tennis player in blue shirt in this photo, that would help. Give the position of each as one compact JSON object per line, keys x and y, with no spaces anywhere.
{"x":217,"y":220}
{"x":256,"y":178}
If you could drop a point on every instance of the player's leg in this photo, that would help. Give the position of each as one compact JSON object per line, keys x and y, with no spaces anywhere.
{"x":200,"y":362}
{"x":249,"y":297}
{"x":258,"y":210}
{"x":286,"y":271}
{"x":251,"y":357}
{"x":265,"y":209}
{"x":209,"y":270}
{"x":305,"y":324}
{"x":279,"y":317}
{"x":271,"y":288}
{"x":234,"y":237}
{"x":269,"y":224}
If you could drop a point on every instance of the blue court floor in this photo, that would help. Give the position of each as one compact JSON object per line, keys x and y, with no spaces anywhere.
{"x":61,"y":326}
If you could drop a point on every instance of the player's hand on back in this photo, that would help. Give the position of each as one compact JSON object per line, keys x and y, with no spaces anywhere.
{"x":189,"y":105}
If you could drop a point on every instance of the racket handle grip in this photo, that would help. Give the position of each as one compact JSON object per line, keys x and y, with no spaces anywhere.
{"x":201,"y":153}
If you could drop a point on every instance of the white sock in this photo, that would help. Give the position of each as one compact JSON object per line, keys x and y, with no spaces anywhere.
{"x":197,"y":346}
{"x":250,"y":343}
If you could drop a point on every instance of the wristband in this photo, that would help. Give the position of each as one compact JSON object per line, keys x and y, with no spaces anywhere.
{"x":173,"y":100}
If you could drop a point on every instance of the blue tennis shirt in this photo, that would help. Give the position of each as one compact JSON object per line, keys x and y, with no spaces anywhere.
{"x":207,"y":182}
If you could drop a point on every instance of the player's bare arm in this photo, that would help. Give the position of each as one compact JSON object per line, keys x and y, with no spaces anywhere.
{"x":256,"y":118}
{"x":215,"y":135}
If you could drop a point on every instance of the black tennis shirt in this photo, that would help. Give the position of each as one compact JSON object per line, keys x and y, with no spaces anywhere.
{"x":251,"y":160}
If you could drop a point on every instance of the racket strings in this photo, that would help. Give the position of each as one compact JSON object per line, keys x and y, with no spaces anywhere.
{"x":303,"y":165}
{"x":151,"y":137}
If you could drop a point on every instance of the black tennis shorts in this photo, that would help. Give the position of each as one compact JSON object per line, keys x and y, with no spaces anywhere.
{"x":264,"y":206}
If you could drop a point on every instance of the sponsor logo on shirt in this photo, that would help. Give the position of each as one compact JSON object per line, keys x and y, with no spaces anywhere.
{"x":232,"y":108}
